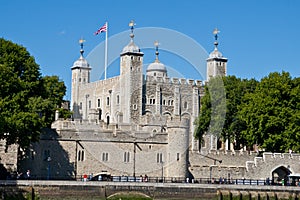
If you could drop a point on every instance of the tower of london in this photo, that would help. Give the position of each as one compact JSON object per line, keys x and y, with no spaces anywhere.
{"x":140,"y":123}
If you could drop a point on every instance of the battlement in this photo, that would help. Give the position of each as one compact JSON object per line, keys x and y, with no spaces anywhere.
{"x":174,"y":80}
{"x":102,"y":83}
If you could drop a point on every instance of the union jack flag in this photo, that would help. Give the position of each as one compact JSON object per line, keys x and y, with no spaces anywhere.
{"x":100,"y":30}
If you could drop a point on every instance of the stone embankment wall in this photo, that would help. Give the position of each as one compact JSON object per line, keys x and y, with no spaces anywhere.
{"x":63,"y":189}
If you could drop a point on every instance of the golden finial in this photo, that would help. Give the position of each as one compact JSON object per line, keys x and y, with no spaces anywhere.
{"x":131,"y":24}
{"x":81,"y":41}
{"x":216,"y":31}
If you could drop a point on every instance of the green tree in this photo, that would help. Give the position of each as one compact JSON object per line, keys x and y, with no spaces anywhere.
{"x":271,"y":113}
{"x":234,"y":89}
{"x":27,"y":100}
{"x":213,"y":108}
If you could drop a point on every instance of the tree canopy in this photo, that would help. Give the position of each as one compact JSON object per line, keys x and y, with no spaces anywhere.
{"x":27,"y":100}
{"x":264,"y":113}
{"x":271,"y":113}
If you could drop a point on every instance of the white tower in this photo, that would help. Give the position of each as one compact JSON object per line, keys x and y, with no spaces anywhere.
{"x":80,"y":75}
{"x":216,"y":63}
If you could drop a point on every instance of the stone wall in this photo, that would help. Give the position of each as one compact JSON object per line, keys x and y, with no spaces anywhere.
{"x":8,"y":156}
{"x":82,"y":190}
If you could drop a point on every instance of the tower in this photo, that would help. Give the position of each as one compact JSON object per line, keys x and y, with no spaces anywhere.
{"x":131,"y":81}
{"x":216,"y":63}
{"x":80,"y":75}
{"x":158,"y":72}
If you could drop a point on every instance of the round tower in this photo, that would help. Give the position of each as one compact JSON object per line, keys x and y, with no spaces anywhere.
{"x":216,"y":63}
{"x":80,"y":75}
{"x":178,"y":145}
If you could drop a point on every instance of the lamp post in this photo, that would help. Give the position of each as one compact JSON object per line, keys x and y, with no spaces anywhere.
{"x":48,"y":160}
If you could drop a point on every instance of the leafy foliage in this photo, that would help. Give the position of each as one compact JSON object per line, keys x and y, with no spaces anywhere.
{"x":271,"y":113}
{"x":27,"y":100}
{"x":265,"y":113}
{"x":213,"y":108}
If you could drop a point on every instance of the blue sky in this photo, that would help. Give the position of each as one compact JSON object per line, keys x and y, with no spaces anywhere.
{"x":258,"y":36}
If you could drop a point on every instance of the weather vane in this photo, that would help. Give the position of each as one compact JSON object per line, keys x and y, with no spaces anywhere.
{"x":81,"y":41}
{"x":131,"y":25}
{"x":156,"y":43}
{"x":215,"y":32}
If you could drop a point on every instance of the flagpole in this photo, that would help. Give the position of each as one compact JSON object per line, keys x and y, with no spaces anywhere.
{"x":105,"y":59}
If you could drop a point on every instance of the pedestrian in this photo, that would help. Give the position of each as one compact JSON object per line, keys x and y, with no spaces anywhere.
{"x":84,"y":177}
{"x":146,"y":178}
{"x":28,"y":174}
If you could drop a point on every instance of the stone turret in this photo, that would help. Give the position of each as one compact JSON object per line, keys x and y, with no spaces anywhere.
{"x":131,"y":81}
{"x":80,"y":75}
{"x":216,"y":63}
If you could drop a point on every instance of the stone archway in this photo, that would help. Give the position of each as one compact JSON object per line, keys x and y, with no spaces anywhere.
{"x":280,"y":173}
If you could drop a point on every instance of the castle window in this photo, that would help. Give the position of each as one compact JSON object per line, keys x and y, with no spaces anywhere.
{"x":126,"y":156}
{"x":80,"y":105}
{"x":134,"y":106}
{"x":178,"y":156}
{"x":79,"y":79}
{"x":80,"y":156}
{"x":118,"y":99}
{"x":105,"y":156}
{"x":164,"y":102}
{"x":172,"y":102}
{"x":185,"y":105}
{"x":84,"y":80}
{"x":154,"y":74}
{"x":131,"y":57}
{"x":99,"y":103}
{"x":90,"y":104}
{"x":159,"y":158}
{"x":107,"y":101}
{"x":151,"y":101}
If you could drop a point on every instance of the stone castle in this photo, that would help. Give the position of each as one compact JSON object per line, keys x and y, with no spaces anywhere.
{"x":136,"y":124}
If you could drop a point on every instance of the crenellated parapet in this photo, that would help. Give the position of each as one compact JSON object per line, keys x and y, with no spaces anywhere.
{"x":174,"y":81}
